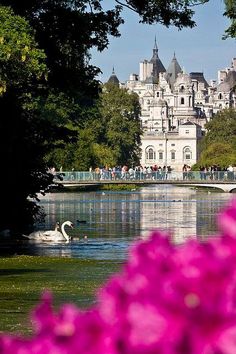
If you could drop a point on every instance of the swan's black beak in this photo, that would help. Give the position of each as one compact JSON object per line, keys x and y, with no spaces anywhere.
{"x":72,"y":226}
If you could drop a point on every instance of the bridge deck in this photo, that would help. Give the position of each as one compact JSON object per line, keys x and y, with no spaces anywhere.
{"x":225,"y":185}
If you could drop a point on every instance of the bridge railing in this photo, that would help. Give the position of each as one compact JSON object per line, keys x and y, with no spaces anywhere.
{"x":142,"y":176}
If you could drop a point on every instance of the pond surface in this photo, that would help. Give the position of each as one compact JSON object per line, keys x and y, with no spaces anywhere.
{"x":112,"y":220}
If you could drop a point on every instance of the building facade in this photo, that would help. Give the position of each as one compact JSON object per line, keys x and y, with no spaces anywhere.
{"x":175,"y":107}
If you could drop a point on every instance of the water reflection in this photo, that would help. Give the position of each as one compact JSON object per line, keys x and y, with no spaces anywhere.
{"x":112,"y":220}
{"x":183,"y":211}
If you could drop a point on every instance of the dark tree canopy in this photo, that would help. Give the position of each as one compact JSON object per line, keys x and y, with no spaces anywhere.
{"x":67,"y":30}
{"x":172,"y":12}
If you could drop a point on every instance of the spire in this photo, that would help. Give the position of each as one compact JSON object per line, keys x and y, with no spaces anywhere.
{"x":158,"y":67}
{"x":155,"y":43}
{"x":113,"y":70}
{"x":155,"y":49}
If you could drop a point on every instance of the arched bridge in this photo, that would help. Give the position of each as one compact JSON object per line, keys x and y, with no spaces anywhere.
{"x":223,"y":180}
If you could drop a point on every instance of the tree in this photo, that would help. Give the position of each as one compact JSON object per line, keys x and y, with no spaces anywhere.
{"x":219,"y":145}
{"x":110,"y":136}
{"x":67,"y":30}
{"x":22,"y":135}
{"x":217,"y":153}
{"x":120,"y":124}
{"x":222,"y":128}
{"x":172,"y":12}
{"x":230,"y":12}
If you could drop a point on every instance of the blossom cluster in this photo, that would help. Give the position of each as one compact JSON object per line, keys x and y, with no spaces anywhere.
{"x":167,"y":299}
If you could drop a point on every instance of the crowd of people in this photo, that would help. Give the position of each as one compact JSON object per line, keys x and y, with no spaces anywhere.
{"x":155,"y":172}
{"x":132,"y":173}
{"x":215,"y":172}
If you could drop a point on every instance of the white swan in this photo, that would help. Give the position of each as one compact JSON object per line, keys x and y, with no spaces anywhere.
{"x":51,"y":235}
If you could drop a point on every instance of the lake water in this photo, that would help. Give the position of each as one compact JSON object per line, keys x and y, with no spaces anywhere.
{"x":112,"y":220}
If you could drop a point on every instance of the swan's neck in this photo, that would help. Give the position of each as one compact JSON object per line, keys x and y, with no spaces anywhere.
{"x":67,"y":238}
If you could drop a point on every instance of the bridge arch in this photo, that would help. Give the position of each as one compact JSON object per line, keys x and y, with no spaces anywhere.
{"x":228,"y":188}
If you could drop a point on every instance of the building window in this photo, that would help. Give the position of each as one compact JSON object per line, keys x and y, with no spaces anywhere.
{"x":160,"y":144}
{"x":160,"y":155}
{"x":182,"y":100}
{"x":158,"y":94}
{"x":187,"y":153}
{"x":186,"y":131}
{"x":220,"y":96}
{"x":172,"y":155}
{"x":172,"y":144}
{"x":150,"y":153}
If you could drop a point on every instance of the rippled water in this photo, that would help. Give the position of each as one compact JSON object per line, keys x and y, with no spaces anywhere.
{"x":112,"y":220}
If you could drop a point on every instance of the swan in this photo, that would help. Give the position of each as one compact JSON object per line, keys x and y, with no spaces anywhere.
{"x":51,"y":235}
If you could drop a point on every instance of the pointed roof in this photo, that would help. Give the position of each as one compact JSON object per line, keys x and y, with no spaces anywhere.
{"x":173,"y":70}
{"x":158,"y":67}
{"x":188,"y":123}
{"x":113,"y":79}
{"x":199,"y":76}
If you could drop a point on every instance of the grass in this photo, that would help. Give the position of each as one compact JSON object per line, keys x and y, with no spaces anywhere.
{"x":119,"y":187}
{"x":23,"y":278}
{"x":109,"y":187}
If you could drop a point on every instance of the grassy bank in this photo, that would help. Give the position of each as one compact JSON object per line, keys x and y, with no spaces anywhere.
{"x":90,"y":188}
{"x":23,"y":278}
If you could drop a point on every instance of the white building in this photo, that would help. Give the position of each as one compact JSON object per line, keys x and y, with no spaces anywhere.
{"x":175,"y":107}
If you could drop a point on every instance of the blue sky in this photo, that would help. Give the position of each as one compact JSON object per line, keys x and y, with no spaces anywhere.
{"x":198,"y":49}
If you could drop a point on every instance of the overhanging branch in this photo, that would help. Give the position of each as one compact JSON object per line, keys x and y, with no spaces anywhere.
{"x":126,"y":5}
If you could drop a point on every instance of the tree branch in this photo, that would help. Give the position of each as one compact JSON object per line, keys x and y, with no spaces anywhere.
{"x":199,"y":3}
{"x":125,"y":5}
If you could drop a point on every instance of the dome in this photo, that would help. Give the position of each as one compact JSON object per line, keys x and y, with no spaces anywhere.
{"x":113,"y":79}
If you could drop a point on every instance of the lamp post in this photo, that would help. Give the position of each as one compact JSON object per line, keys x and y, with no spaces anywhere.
{"x":166,"y":140}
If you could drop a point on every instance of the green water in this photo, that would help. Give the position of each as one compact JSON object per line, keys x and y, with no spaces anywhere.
{"x":23,"y":278}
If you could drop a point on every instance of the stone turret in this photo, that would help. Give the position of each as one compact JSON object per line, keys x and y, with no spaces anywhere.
{"x":113,"y":79}
{"x":172,"y":72}
{"x":150,"y":70}
{"x":158,"y":67}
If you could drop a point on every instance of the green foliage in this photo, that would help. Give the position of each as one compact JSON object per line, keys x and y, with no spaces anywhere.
{"x":109,"y":136}
{"x":221,"y":154}
{"x":172,"y":12}
{"x":230,"y":12}
{"x":67,"y":30}
{"x":222,"y":128}
{"x":121,"y":130}
{"x":219,"y":144}
{"x":104,"y":155}
{"x":21,"y":61}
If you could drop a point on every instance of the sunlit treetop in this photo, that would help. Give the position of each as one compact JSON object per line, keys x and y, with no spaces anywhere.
{"x":21,"y":61}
